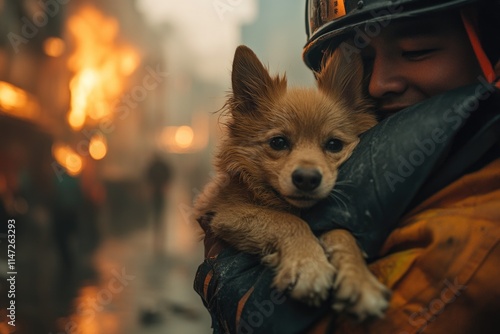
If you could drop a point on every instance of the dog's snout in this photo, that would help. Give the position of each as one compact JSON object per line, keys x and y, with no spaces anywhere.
{"x":306,"y":179}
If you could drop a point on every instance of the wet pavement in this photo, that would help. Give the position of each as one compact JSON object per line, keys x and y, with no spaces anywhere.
{"x":113,"y":281}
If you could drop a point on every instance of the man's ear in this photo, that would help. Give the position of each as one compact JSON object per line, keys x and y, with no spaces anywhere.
{"x":251,"y":82}
{"x":341,"y":78}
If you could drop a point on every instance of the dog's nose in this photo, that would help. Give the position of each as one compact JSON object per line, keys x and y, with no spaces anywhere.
{"x":306,"y":179}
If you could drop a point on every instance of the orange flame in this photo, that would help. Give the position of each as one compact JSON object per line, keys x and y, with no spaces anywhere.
{"x":67,"y":158}
{"x":100,"y":65}
{"x":186,"y":139}
{"x":53,"y":46}
{"x":17,"y":102}
{"x":98,"y":147}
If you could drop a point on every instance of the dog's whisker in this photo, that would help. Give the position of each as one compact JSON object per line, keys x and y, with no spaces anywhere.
{"x":337,"y":199}
{"x":340,"y":192}
{"x":341,"y":202}
{"x":348,"y":183}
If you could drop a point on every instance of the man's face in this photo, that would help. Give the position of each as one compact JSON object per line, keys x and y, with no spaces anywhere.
{"x":413,"y":60}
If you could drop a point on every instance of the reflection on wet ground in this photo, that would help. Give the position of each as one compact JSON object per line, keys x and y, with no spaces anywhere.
{"x":113,"y":281}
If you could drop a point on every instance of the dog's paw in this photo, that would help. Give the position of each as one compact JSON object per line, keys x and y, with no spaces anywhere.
{"x":360,"y":294}
{"x":306,"y":278}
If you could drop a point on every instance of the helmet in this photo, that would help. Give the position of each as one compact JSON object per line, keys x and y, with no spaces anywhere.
{"x":328,"y":22}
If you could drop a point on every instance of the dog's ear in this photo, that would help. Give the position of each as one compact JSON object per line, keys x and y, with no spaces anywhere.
{"x":341,"y":78}
{"x":251,"y":82}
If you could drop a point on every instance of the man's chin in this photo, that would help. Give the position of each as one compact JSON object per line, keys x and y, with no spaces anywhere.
{"x":384,"y":111}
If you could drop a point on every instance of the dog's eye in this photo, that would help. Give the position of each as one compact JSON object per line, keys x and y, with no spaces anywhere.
{"x":279,"y":143}
{"x":334,"y":145}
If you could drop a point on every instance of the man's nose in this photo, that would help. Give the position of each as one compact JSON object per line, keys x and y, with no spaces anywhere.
{"x":387,"y":78}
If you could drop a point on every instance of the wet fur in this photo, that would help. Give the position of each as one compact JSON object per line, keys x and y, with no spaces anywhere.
{"x":255,"y":203}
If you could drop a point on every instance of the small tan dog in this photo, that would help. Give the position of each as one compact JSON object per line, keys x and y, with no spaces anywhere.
{"x":280,"y":155}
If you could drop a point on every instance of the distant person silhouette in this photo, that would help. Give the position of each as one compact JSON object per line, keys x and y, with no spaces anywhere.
{"x":159,"y":176}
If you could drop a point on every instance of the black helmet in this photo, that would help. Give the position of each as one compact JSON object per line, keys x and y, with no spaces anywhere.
{"x":328,"y":21}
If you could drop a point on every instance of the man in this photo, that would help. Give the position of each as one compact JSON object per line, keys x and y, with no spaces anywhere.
{"x":426,"y":205}
{"x":159,"y":176}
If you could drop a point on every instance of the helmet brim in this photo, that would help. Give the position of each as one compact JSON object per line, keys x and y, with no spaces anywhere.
{"x":330,"y":35}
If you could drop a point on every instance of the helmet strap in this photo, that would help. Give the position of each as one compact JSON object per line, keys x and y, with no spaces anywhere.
{"x":469,"y":19}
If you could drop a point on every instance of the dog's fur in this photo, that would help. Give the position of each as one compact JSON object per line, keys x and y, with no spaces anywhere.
{"x":281,"y":154}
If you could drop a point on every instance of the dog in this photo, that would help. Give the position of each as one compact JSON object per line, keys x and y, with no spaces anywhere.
{"x":279,"y":155}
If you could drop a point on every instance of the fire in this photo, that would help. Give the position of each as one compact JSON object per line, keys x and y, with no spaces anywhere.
{"x":98,"y":147}
{"x":67,"y":158}
{"x":184,"y":136}
{"x":17,"y":102}
{"x":53,"y":46}
{"x":100,"y":65}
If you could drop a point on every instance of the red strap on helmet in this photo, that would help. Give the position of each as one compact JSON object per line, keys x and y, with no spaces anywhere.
{"x":469,"y":20}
